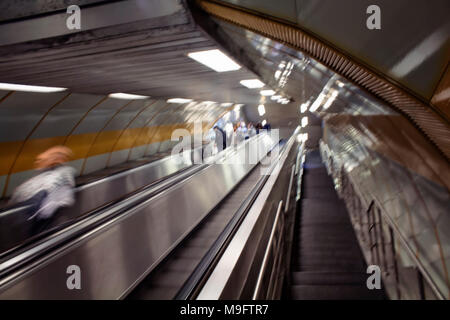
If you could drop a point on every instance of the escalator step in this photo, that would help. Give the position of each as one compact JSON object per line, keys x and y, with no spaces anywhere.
{"x":332,"y":292}
{"x":329,"y":278}
{"x":333,"y":266}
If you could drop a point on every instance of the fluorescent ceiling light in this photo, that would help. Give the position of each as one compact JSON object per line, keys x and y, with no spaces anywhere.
{"x":302,"y":137}
{"x":304,"y":107}
{"x":227,"y":104}
{"x":238,"y":107}
{"x":264,"y":123}
{"x":127,"y":96}
{"x":277,"y":74}
{"x":304,"y":122}
{"x":261,"y":110}
{"x":317,"y":103}
{"x":330,"y":100}
{"x":215,"y":59}
{"x":275,"y":97}
{"x":267,"y":93}
{"x":252,"y":83}
{"x":179,"y":100}
{"x":26,"y":88}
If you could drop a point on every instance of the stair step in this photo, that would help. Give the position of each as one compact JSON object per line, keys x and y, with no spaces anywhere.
{"x":329,"y":278}
{"x":312,"y":206}
{"x":307,"y":253}
{"x":335,"y":266}
{"x":330,"y":292}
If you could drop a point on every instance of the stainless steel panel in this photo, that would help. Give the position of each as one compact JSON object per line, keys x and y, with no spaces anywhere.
{"x":115,"y":255}
{"x":236,"y":274}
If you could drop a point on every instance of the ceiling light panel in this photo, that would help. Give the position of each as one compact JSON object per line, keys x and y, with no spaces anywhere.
{"x":26,"y":88}
{"x":267,"y":93}
{"x":252,"y":83}
{"x":261,"y":110}
{"x":179,"y":100}
{"x":127,"y":96}
{"x":215,"y":59}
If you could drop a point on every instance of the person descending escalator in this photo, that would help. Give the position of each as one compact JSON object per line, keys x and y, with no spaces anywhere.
{"x":50,"y":190}
{"x":241,"y":132}
{"x":251,"y":130}
{"x":220,"y":139}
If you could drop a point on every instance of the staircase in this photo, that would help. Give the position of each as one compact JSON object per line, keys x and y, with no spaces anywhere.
{"x":327,"y":263}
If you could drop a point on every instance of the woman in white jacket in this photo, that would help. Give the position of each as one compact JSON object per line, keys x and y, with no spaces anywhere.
{"x":51,"y":189}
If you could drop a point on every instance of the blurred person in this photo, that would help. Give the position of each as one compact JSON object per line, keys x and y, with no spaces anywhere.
{"x":50,"y":190}
{"x":229,"y":131}
{"x":241,"y":132}
{"x":258,"y":127}
{"x":251,"y":130}
{"x":220,"y":138}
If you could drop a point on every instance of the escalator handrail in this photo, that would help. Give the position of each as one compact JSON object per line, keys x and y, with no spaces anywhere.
{"x":101,"y":218}
{"x":191,"y":286}
{"x":104,"y":216}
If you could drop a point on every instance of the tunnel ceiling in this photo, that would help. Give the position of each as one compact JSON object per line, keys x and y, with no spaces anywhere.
{"x":133,"y":46}
{"x":271,"y":37}
{"x":411,"y":47}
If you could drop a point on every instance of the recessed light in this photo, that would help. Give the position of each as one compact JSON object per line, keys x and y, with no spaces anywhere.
{"x":261,"y":110}
{"x":252,"y":83}
{"x":304,"y":122}
{"x":179,"y":100}
{"x":317,"y":103}
{"x":267,"y":93}
{"x":304,"y":107}
{"x":275,"y":97}
{"x":27,"y":88}
{"x":215,"y":59}
{"x":127,"y":96}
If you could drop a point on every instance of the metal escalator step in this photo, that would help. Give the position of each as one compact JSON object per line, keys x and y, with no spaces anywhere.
{"x":332,"y":292}
{"x":308,"y":253}
{"x":335,"y":248}
{"x":332,"y":266}
{"x":319,"y":193}
{"x":339,"y":263}
{"x":329,"y":278}
{"x":317,"y":237}
{"x":311,"y":206}
{"x":327,"y":229}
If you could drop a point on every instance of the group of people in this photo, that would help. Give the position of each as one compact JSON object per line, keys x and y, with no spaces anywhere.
{"x":240,"y":133}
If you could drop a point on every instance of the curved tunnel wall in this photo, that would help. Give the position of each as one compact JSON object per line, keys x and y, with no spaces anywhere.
{"x":101,"y":131}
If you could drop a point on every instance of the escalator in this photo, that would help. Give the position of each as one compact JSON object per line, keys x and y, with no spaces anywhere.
{"x":199,"y":207}
{"x":327,"y":262}
{"x":168,"y":279}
